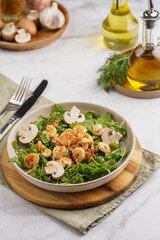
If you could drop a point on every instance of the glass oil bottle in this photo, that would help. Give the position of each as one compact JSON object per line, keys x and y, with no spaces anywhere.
{"x":120,"y":28}
{"x":11,"y":10}
{"x":144,"y":62}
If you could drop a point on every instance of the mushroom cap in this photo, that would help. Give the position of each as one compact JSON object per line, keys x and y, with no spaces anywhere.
{"x":22,"y":36}
{"x":73,"y":116}
{"x":28,"y":25}
{"x":26,"y":135}
{"x":54,"y":168}
{"x":110,"y":136}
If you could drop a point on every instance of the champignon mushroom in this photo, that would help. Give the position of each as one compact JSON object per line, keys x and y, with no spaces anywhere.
{"x":33,"y":15}
{"x":109,"y":136}
{"x":73,"y":116}
{"x":22,"y":36}
{"x":26,"y":135}
{"x":2,"y":24}
{"x":28,"y":25}
{"x":9,"y":32}
{"x":55,"y":169}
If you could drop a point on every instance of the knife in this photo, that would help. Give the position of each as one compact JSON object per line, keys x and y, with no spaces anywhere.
{"x":24,"y":108}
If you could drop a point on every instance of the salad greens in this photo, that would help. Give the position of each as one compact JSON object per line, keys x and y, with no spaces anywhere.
{"x":84,"y":171}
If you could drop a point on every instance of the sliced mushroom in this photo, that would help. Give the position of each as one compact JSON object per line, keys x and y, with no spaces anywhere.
{"x":109,"y":136}
{"x":22,"y":36}
{"x":9,"y":32}
{"x":26,"y":135}
{"x":73,"y":116}
{"x":55,"y":169}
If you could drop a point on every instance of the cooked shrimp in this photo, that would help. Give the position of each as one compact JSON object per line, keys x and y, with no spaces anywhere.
{"x":104,"y":147}
{"x":79,"y":129}
{"x":98,"y":130}
{"x":47,"y":153}
{"x":87,"y":138}
{"x":40,"y":146}
{"x":85,"y":146}
{"x":79,"y":144}
{"x":66,"y":138}
{"x":31,"y":160}
{"x":55,"y":140}
{"x":50,"y":131}
{"x":65,"y":162}
{"x":60,"y":151}
{"x":78,"y":154}
{"x":68,"y":130}
{"x":92,"y":146}
{"x":54,"y":122}
{"x":90,"y":154}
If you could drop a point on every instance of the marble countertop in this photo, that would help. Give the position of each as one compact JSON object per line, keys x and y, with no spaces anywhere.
{"x":70,"y":65}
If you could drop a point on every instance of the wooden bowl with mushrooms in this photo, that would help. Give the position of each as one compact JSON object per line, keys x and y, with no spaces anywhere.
{"x":34,"y":31}
{"x":25,"y":122}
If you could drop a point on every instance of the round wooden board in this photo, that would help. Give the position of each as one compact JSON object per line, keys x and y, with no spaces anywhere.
{"x":128,"y":91}
{"x":80,"y":200}
{"x":41,"y":39}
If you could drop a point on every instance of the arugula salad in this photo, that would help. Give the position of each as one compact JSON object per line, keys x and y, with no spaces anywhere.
{"x":70,"y":147}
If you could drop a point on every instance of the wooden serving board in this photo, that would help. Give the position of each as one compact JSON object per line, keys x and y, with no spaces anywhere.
{"x":41,"y":39}
{"x":129,"y":91}
{"x":80,"y":200}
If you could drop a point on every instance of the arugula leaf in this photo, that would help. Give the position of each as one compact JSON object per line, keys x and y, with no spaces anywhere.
{"x":58,"y":108}
{"x":44,"y":138}
{"x":104,"y":119}
{"x":91,"y":115}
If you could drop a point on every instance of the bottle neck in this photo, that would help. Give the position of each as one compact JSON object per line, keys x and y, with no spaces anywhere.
{"x":149,"y":37}
{"x":120,"y":7}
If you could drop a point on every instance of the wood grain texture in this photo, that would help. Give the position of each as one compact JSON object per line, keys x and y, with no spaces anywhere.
{"x":80,"y":200}
{"x":41,"y":39}
{"x":128,"y":91}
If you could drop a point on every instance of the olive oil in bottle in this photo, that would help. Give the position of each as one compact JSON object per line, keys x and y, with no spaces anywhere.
{"x":120,"y":28}
{"x":11,"y":10}
{"x":144,"y":62}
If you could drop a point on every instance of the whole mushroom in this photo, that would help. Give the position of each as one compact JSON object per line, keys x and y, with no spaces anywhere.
{"x":28,"y":25}
{"x":9,"y":32}
{"x":33,"y":15}
{"x":73,"y":116}
{"x":55,"y":169}
{"x":2,"y":24}
{"x":26,"y":135}
{"x":110,"y":136}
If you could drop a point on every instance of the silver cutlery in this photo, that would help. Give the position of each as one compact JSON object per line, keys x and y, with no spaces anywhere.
{"x":18,"y":97}
{"x":24,"y":108}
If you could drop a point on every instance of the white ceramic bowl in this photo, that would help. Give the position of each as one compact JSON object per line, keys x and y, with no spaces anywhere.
{"x":129,"y":143}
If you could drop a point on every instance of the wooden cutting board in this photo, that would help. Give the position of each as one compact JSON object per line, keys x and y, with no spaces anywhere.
{"x":41,"y":39}
{"x":85,"y":199}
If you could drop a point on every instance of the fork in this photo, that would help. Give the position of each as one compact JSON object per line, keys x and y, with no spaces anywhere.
{"x":18,"y":97}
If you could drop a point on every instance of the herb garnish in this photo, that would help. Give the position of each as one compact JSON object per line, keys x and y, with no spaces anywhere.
{"x":114,"y":71}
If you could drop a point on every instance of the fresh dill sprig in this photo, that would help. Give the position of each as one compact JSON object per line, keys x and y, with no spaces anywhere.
{"x":114,"y":71}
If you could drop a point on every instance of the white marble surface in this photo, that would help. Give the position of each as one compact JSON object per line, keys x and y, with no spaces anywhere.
{"x":70,"y":65}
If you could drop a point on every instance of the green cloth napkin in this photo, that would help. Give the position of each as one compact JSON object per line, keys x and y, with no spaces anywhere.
{"x":85,"y":219}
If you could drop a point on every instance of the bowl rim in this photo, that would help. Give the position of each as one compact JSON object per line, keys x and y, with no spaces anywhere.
{"x":76,"y":184}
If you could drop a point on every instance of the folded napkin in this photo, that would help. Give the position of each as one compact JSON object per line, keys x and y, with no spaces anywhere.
{"x":85,"y":219}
